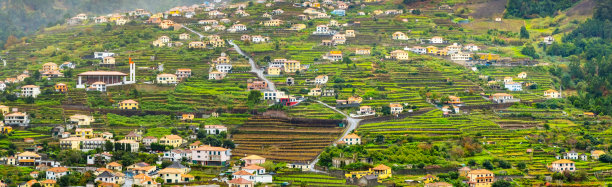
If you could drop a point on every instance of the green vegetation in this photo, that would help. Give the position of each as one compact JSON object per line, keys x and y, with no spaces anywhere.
{"x":535,"y":8}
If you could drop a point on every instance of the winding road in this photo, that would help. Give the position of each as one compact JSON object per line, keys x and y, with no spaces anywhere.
{"x":254,"y":67}
{"x":352,"y":122}
{"x":352,"y":125}
{"x":259,"y":72}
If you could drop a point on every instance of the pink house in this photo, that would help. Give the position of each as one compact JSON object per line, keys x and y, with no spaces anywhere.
{"x":253,"y":160}
{"x":208,"y":155}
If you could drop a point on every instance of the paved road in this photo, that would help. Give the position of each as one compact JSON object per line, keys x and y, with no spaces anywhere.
{"x":352,"y":125}
{"x":191,"y":30}
{"x":254,"y":67}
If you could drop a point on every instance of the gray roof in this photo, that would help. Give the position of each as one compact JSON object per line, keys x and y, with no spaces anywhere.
{"x":106,"y":174}
{"x":177,"y":165}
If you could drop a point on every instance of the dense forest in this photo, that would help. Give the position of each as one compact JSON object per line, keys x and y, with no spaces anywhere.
{"x":590,"y":69}
{"x":22,"y":17}
{"x":536,"y":8}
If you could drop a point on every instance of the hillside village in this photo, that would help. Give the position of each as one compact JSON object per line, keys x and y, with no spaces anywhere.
{"x":300,"y":93}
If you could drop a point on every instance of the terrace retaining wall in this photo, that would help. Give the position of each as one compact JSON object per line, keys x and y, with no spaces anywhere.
{"x":391,"y":117}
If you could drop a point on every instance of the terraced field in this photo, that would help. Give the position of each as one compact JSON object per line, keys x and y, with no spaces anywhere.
{"x":282,"y":140}
{"x":309,"y":179}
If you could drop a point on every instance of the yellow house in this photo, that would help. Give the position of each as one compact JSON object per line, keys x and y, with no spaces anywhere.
{"x":174,"y":11}
{"x":170,"y":175}
{"x":431,"y":50}
{"x":273,"y":23}
{"x":128,"y":105}
{"x":81,"y":119}
{"x":166,"y":78}
{"x":488,"y":56}
{"x":7,"y":129}
{"x":381,"y":172}
{"x":292,"y":66}
{"x":480,"y":177}
{"x":4,"y":109}
{"x":442,"y":52}
{"x":216,"y":43}
{"x":274,"y":70}
{"x":72,"y":143}
{"x":429,"y":178}
{"x":114,"y":166}
{"x":399,"y":55}
{"x":171,"y":140}
{"x":84,"y":133}
{"x":48,"y":183}
{"x":187,"y":117}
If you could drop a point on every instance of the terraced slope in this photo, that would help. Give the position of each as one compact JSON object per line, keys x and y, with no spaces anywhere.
{"x":283,"y":140}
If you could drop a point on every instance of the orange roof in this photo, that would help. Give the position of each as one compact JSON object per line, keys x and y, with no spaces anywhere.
{"x":563,"y":161}
{"x":210,"y":148}
{"x":170,"y":171}
{"x":28,"y":154}
{"x":58,"y":169}
{"x":242,"y":172}
{"x":48,"y":181}
{"x":253,"y":167}
{"x":352,"y":135}
{"x":501,"y":94}
{"x":172,"y":137}
{"x":30,"y":86}
{"x":183,"y":69}
{"x":166,"y":75}
{"x":381,"y":167}
{"x":129,"y":101}
{"x":392,"y":105}
{"x":480,"y":171}
{"x":240,"y":181}
{"x":114,"y":164}
{"x":335,"y":52}
{"x":101,"y":170}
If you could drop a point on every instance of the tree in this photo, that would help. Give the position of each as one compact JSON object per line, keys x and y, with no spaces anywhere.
{"x":68,"y":73}
{"x":380,"y":139}
{"x":487,"y":164}
{"x":108,"y":146}
{"x":605,"y":158}
{"x":347,"y":60}
{"x":254,"y":97}
{"x":529,"y":50}
{"x":386,"y":110}
{"x":29,"y":100}
{"x":521,"y":165}
{"x":524,"y":33}
{"x":501,"y":183}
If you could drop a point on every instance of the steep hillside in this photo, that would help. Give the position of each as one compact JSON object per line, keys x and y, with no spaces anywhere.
{"x":536,"y":8}
{"x":22,"y":17}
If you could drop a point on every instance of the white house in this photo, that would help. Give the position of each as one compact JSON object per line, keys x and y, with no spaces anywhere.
{"x":321,"y":79}
{"x":101,"y":55}
{"x":513,"y":86}
{"x":503,"y":98}
{"x":30,"y":91}
{"x":208,"y":155}
{"x":57,"y":172}
{"x":437,"y":40}
{"x":223,"y":67}
{"x":551,"y":94}
{"x":563,"y":165}
{"x":396,"y":108}
{"x":351,"y":139}
{"x":215,"y":129}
